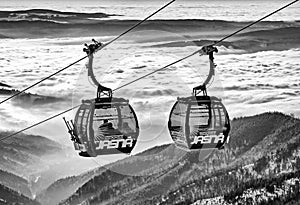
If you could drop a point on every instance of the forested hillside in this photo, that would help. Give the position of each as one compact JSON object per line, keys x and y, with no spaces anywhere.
{"x":15,"y":182}
{"x":263,"y":151}
{"x":8,"y":196}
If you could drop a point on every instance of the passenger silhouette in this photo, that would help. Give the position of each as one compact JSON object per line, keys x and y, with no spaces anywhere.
{"x":103,"y":130}
{"x":105,"y":123}
{"x":112,"y":130}
{"x":107,"y":130}
{"x":126,"y":128}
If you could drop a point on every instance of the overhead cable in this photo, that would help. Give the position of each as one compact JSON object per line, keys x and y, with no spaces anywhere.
{"x":104,"y":45}
{"x":165,"y":67}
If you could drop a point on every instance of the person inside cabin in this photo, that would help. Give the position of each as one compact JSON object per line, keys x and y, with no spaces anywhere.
{"x":102,"y":130}
{"x":128,"y":132}
{"x":126,"y":129}
{"x":112,"y":130}
{"x":107,"y":131}
{"x":105,"y":123}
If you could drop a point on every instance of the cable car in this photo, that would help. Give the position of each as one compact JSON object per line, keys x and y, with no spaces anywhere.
{"x":200,"y":121}
{"x":104,"y":125}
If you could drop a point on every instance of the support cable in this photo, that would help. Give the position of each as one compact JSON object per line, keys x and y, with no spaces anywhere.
{"x":106,"y":44}
{"x":165,"y":67}
{"x":36,"y":124}
{"x":215,"y":43}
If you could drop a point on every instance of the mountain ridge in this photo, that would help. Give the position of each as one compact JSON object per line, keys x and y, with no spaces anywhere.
{"x":9,"y":196}
{"x":15,"y":183}
{"x":269,"y":127}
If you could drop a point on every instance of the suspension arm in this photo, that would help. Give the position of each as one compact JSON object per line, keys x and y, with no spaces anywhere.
{"x":207,"y":50}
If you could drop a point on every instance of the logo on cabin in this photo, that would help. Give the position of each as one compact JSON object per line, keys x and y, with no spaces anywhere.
{"x":210,"y":139}
{"x":115,"y":143}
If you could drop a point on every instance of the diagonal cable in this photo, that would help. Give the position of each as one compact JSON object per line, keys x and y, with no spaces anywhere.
{"x":106,"y":44}
{"x":43,"y":121}
{"x":139,"y":23}
{"x":160,"y":69}
{"x":255,"y":22}
{"x":22,"y":91}
{"x":215,"y":43}
{"x":165,"y":67}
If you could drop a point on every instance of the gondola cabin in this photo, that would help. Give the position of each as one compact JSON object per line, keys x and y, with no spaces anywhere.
{"x":104,"y":125}
{"x":102,"y":128}
{"x":199,"y":122}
